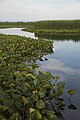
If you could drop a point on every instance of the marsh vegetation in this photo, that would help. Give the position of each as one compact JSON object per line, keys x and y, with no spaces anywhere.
{"x":56,"y":27}
{"x":27,"y":92}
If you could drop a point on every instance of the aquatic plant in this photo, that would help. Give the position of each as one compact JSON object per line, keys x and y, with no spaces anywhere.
{"x":27,"y":93}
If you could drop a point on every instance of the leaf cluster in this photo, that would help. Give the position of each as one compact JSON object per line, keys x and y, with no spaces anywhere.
{"x":24,"y":93}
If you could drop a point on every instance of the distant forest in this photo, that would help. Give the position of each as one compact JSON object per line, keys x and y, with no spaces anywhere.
{"x":49,"y":24}
{"x":58,"y":25}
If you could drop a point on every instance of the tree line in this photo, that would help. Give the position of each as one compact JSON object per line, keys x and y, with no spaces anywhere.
{"x":16,"y":24}
{"x":58,"y":24}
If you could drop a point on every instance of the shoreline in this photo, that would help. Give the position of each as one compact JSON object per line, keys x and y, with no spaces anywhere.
{"x":53,"y":32}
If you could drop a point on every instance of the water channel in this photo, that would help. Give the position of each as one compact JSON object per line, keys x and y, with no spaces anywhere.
{"x":65,"y":62}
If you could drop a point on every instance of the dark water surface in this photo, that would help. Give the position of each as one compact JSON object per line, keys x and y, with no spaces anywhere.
{"x":65,"y":62}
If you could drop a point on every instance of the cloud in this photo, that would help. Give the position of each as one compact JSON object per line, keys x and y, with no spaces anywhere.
{"x":57,"y":65}
{"x":39,"y":9}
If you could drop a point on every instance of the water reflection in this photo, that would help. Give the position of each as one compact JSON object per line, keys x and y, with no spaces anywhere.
{"x":65,"y":62}
{"x":58,"y":37}
{"x":16,"y":31}
{"x":57,"y":65}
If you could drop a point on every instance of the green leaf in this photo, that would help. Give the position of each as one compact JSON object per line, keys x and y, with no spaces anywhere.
{"x":31,"y":110}
{"x":30,"y":76}
{"x":40,"y":104}
{"x":46,"y":86}
{"x":60,"y":85}
{"x":3,"y":63}
{"x":38,"y":115}
{"x":3,"y":109}
{"x":24,"y":100}
{"x":35,"y":96}
{"x":50,"y":112}
{"x":56,"y":78}
{"x":35,"y":114}
{"x":12,"y":85}
{"x":72,"y":92}
{"x":14,"y":116}
{"x":52,"y":117}
{"x":45,"y":119}
{"x":35,"y":82}
{"x":34,"y":66}
{"x":27,"y":85}
{"x":49,"y":76}
{"x":17,"y":74}
{"x":42,"y":94}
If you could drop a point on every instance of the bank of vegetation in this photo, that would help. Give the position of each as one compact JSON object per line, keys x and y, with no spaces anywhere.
{"x":28,"y":25}
{"x":26,"y":92}
{"x":57,"y":27}
{"x":54,"y":27}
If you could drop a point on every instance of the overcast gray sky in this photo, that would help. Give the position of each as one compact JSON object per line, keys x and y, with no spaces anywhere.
{"x":31,"y":10}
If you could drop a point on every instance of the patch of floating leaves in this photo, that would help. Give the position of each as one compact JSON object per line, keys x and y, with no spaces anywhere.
{"x":25,"y":94}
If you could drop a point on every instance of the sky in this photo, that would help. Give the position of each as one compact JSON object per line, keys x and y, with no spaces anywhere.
{"x":34,"y":10}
